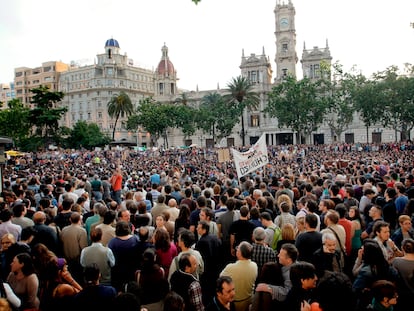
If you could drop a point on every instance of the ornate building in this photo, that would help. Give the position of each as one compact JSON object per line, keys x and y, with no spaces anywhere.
{"x":89,"y":88}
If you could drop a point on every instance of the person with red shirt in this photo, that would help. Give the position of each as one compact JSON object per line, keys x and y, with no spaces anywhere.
{"x":116,"y":183}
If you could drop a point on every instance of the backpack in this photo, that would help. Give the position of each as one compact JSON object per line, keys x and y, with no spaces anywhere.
{"x":277,"y":235}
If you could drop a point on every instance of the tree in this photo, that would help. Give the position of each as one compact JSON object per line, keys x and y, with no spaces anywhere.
{"x":183,"y":117}
{"x":367,"y":101}
{"x":397,"y":94}
{"x":45,"y":115}
{"x":154,"y":117}
{"x":87,"y":135}
{"x":216,"y":117}
{"x":299,"y":105}
{"x":119,"y":106}
{"x":14,"y":121}
{"x":241,"y":95}
{"x":338,"y":94}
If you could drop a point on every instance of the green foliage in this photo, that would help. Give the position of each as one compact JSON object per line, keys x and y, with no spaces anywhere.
{"x":396,"y":98}
{"x":87,"y":135}
{"x":241,"y":96}
{"x":216,"y":116}
{"x":299,"y":105}
{"x":183,"y":117}
{"x":154,"y":117}
{"x":120,"y":105}
{"x":32,"y":143}
{"x":338,"y":94}
{"x":14,"y":121}
{"x":45,"y":115}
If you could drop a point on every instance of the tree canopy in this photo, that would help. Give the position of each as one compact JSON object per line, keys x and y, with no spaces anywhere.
{"x":299,"y":105}
{"x":240,"y":95}
{"x":120,"y":105}
{"x":45,"y":115}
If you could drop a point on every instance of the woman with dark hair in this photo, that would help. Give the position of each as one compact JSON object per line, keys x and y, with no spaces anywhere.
{"x":165,"y":249}
{"x":60,"y":288}
{"x":182,"y":221}
{"x":24,"y":282}
{"x":357,"y":227}
{"x":125,"y":248}
{"x":405,"y":267}
{"x":384,"y":296}
{"x":144,"y":217}
{"x":303,"y":278}
{"x":374,"y":267}
{"x":148,"y":197}
{"x":409,"y":209}
{"x":334,"y":293}
{"x":41,"y":256}
{"x":151,"y":279}
{"x":271,"y":273}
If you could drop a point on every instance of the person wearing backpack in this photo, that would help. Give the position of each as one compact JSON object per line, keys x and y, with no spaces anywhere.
{"x":273,"y":232}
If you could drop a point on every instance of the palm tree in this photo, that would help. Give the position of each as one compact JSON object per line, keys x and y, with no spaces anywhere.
{"x":119,"y":106}
{"x":241,"y":95}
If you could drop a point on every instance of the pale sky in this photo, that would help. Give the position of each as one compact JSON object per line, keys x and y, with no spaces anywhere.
{"x":205,"y":41}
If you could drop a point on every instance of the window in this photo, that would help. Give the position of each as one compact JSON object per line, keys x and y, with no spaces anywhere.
{"x":284,"y":73}
{"x":81,"y":116}
{"x":284,"y":47}
{"x":252,"y":76}
{"x":254,"y":121}
{"x":99,"y":103}
{"x":315,"y":71}
{"x":161,"y":86}
{"x":99,"y":115}
{"x":89,"y":116}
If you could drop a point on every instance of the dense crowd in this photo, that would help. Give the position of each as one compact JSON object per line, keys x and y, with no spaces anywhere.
{"x":323,"y":227}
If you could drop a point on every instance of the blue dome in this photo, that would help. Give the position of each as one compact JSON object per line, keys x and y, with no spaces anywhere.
{"x":112,"y":42}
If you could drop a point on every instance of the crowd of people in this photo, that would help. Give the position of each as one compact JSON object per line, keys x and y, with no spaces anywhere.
{"x":325,"y":227}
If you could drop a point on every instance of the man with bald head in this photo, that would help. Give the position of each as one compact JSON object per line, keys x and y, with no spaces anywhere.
{"x":173,"y":210}
{"x":44,"y":234}
{"x":139,"y":196}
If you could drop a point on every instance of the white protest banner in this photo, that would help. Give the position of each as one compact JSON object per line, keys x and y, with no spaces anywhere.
{"x":252,"y":159}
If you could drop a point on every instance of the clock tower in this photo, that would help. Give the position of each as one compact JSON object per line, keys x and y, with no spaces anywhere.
{"x":286,"y":57}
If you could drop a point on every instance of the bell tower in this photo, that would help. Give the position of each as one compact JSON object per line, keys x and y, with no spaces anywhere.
{"x":286,"y":57}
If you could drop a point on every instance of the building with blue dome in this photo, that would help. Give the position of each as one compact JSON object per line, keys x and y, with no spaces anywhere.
{"x":89,"y":88}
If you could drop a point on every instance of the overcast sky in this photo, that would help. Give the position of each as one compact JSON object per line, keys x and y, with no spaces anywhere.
{"x":205,"y":41}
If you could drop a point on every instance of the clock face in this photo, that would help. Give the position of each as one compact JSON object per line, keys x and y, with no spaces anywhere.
{"x":284,"y":23}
